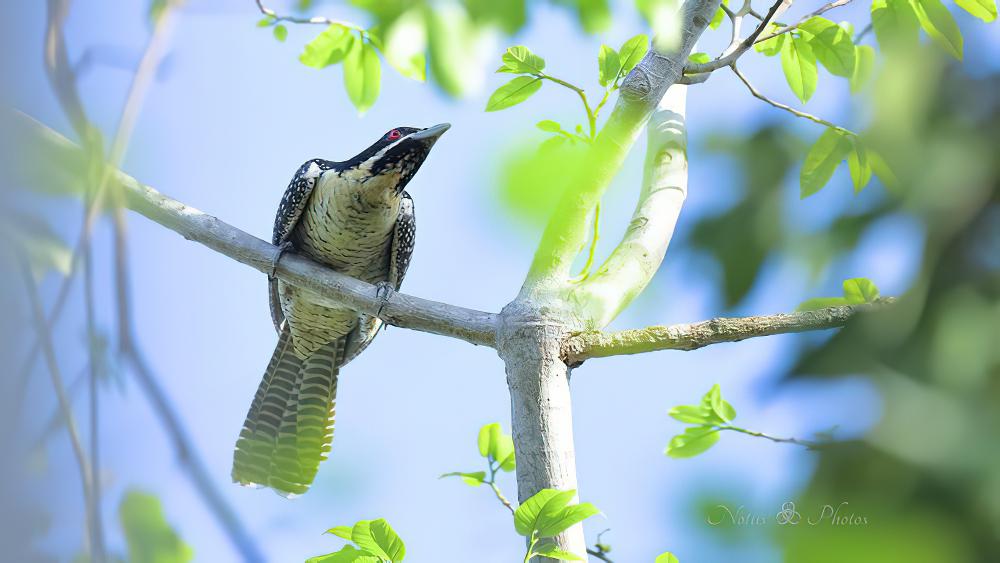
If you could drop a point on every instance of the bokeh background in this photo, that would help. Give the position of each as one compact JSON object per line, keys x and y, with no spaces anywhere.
{"x":913,"y":395}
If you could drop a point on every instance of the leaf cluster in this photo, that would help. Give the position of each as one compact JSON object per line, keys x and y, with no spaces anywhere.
{"x":372,"y":541}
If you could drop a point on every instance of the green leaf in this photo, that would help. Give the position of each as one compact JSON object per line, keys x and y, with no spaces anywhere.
{"x":552,"y":522}
{"x":552,"y":551}
{"x":549,"y":126}
{"x":150,"y":538}
{"x":488,"y":435}
{"x":548,"y":500}
{"x":693,"y":441}
{"x":860,"y":290}
{"x":720,"y":14}
{"x":799,"y":65}
{"x":520,"y":60}
{"x":938,"y":22}
{"x":723,"y":412}
{"x":895,"y":23}
{"x":453,"y":47}
{"x":882,"y":170}
{"x":632,"y":51}
{"x":985,"y":10}
{"x":821,"y":303}
{"x":266,"y":21}
{"x":608,"y":65}
{"x":362,"y":77}
{"x":405,"y":44}
{"x":666,"y":557}
{"x":328,"y":48}
{"x":280,"y":33}
{"x":864,"y":62}
{"x":772,"y":46}
{"x":473,"y":479}
{"x":831,"y":44}
{"x":693,"y":414}
{"x":341,"y":532}
{"x":504,"y":451}
{"x":857,"y":161}
{"x":513,"y":93}
{"x":347,"y":554}
{"x":822,"y":160}
{"x":378,"y":538}
{"x":700,"y":58}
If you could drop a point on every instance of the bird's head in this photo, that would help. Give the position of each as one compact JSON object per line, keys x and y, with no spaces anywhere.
{"x":397,"y":155}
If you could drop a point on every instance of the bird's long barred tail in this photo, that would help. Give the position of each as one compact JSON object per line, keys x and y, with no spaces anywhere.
{"x":289,"y":428}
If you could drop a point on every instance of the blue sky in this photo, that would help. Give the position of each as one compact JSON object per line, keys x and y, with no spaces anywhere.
{"x":224,"y":128}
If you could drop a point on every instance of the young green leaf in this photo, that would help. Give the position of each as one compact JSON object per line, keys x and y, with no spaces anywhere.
{"x":633,"y":51}
{"x":723,"y":411}
{"x":555,"y":522}
{"x":831,"y":44}
{"x":799,"y":64}
{"x":520,"y":60}
{"x":860,"y":290}
{"x":549,"y":126}
{"x":266,"y":21}
{"x":822,"y":159}
{"x":693,"y":441}
{"x":938,"y":22}
{"x":985,"y":10}
{"x":513,"y":93}
{"x":857,"y":161}
{"x":772,"y":46}
{"x":693,"y":414}
{"x":700,"y":58}
{"x":864,"y":62}
{"x":882,"y":170}
{"x":362,"y":77}
{"x":821,"y":303}
{"x":548,"y":500}
{"x":347,"y":554}
{"x":666,"y":557}
{"x":552,"y":551}
{"x":405,"y":44}
{"x":895,"y":23}
{"x":341,"y":532}
{"x":328,"y":48}
{"x":488,"y":434}
{"x":473,"y":479}
{"x":280,"y":33}
{"x":720,"y":14}
{"x":378,"y":538}
{"x":608,"y":65}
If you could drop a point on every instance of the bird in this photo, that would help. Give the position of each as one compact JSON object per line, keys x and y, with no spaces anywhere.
{"x":355,"y":217}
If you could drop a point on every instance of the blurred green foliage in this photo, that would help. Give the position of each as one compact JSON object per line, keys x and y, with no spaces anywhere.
{"x":150,"y":538}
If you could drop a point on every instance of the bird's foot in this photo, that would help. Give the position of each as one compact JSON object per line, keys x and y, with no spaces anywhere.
{"x":383,"y":292}
{"x":282,"y":249}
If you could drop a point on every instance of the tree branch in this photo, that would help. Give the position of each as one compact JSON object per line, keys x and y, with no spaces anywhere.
{"x":635,"y":260}
{"x":821,"y":10}
{"x":735,"y":53}
{"x":596,"y":344}
{"x":640,"y":93}
{"x":757,"y":94}
{"x":400,"y":310}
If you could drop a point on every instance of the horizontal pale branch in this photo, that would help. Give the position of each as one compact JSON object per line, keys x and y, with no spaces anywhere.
{"x":396,"y":309}
{"x":598,"y":344}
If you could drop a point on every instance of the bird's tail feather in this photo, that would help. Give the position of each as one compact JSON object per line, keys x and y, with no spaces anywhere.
{"x":289,"y":428}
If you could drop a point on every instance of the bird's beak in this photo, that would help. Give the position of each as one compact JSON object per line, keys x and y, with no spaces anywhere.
{"x":431,"y":133}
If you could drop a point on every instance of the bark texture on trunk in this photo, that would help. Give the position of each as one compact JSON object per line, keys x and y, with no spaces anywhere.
{"x":529,"y":340}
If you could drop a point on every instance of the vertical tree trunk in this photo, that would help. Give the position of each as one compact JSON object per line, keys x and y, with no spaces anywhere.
{"x":528,"y":341}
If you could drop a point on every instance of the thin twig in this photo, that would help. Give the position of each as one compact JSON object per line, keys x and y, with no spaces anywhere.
{"x":299,"y":20}
{"x":810,"y":444}
{"x":757,"y":94}
{"x":597,"y":344}
{"x":821,"y":10}
{"x":732,"y":54}
{"x":48,"y":349}
{"x":95,"y":457}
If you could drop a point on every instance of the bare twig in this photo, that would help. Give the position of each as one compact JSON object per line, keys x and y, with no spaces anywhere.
{"x":49,"y":353}
{"x":95,"y":457}
{"x":312,"y":20}
{"x":757,"y":94}
{"x":731,"y":54}
{"x":597,"y":344}
{"x":810,"y":444}
{"x":821,"y":10}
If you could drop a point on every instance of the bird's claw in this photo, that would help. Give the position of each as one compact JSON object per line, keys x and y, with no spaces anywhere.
{"x":282,"y":249}
{"x":383,"y":291}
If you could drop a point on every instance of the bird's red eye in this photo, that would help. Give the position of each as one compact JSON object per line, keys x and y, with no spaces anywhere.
{"x":394,"y":134}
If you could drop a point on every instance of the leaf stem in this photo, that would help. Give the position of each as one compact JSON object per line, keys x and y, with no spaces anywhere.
{"x":812,"y":445}
{"x":591,"y":114}
{"x":496,"y":490}
{"x":585,"y":272}
{"x":757,"y":94}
